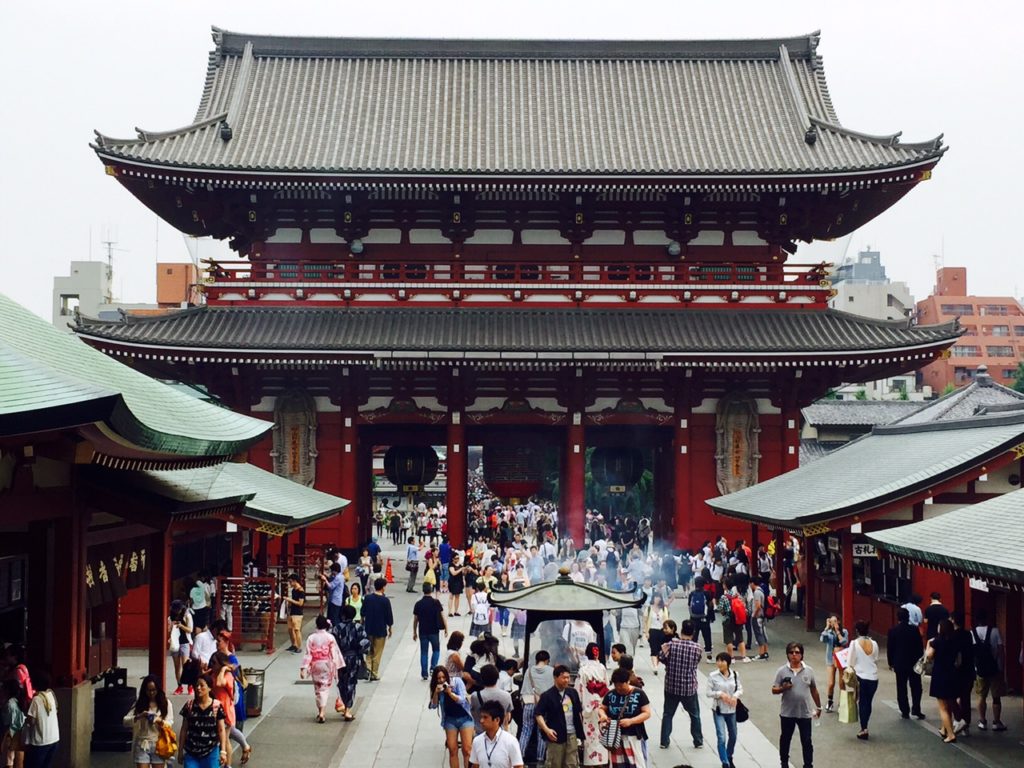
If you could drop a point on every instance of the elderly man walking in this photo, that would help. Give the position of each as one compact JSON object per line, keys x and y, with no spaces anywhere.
{"x":681,"y":658}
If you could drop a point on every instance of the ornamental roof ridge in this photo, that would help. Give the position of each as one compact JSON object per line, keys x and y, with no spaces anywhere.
{"x":230,"y":43}
{"x":970,"y":422}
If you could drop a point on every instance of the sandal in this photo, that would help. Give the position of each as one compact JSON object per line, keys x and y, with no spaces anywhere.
{"x":246,"y":754}
{"x":349,"y":717}
{"x":320,"y":719}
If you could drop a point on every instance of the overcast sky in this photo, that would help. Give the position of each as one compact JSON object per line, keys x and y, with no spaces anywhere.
{"x":923,"y":68}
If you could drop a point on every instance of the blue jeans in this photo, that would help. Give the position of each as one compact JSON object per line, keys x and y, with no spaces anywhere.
{"x":725,"y":724}
{"x":692,"y":708}
{"x":864,"y":699}
{"x":434,"y":641}
{"x":211,"y":760}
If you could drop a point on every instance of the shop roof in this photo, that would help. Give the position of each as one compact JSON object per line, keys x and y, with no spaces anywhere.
{"x":508,"y":108}
{"x":886,"y":465}
{"x":275,"y":503}
{"x":857,"y":413}
{"x":418,"y":330}
{"x":993,"y":551}
{"x":50,"y":379}
{"x":982,"y":394}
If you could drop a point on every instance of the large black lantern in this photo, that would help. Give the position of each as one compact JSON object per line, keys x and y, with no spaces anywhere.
{"x":617,"y":468}
{"x":410,"y":467}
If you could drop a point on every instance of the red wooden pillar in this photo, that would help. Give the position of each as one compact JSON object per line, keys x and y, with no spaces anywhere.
{"x":808,"y":581}
{"x":574,"y":482}
{"x":236,"y":553}
{"x":457,"y":481}
{"x":348,"y":521}
{"x":780,"y":563}
{"x":67,"y":593}
{"x":846,"y":576}
{"x":682,"y":512}
{"x":263,"y":558}
{"x":159,"y":602}
{"x":755,"y":534}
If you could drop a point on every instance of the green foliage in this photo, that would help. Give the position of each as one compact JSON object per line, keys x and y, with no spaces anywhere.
{"x":1018,"y":379}
{"x":830,"y":395}
{"x":948,"y":388}
{"x":904,"y":395}
{"x":861,"y":395}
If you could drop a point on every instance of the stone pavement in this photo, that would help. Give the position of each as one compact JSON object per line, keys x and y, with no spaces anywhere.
{"x":394,"y":728}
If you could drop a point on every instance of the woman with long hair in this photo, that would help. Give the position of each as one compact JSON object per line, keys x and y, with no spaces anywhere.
{"x":863,"y":660}
{"x":592,"y":685}
{"x":224,"y":690}
{"x":941,"y":651}
{"x":452,"y":658}
{"x":42,"y":732}
{"x":322,"y":661}
{"x":504,"y":615}
{"x":448,"y":696}
{"x":631,"y":707}
{"x":180,"y":620}
{"x":835,"y":637}
{"x":12,"y":722}
{"x":146,"y":718}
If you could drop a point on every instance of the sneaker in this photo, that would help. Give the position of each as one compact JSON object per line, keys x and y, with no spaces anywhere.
{"x":997,"y":725}
{"x":747,"y":659}
{"x":958,"y":725}
{"x":918,"y":715}
{"x":179,"y":691}
{"x":190,"y":691}
{"x":709,"y":657}
{"x":982,"y":725}
{"x":763,"y":657}
{"x":829,"y":707}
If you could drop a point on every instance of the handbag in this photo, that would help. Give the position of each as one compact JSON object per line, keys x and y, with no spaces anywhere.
{"x":923,"y":666}
{"x":166,"y":743}
{"x":174,"y":641}
{"x":742,"y":713}
{"x":611,"y":735}
{"x":412,"y":566}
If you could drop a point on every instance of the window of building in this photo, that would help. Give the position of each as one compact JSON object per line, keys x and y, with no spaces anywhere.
{"x":966,"y":350}
{"x":970,"y":332}
{"x":957,"y":309}
{"x":1009,"y":373}
{"x":1000,"y":351}
{"x":890,"y":579}
{"x":999,"y":330}
{"x":963,"y":375}
{"x":996,"y":309}
{"x":68,"y":303}
{"x":1018,"y":330}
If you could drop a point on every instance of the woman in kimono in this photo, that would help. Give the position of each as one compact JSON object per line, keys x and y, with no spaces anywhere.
{"x":353,"y":644}
{"x":592,"y":685}
{"x":322,"y":661}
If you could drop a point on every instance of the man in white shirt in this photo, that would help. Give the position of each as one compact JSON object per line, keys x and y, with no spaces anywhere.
{"x":204,"y":645}
{"x":495,"y":747}
{"x":916,"y":615}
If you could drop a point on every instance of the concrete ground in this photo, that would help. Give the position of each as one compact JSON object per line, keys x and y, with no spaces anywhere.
{"x":394,"y":728}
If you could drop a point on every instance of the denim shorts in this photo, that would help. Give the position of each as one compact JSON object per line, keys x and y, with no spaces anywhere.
{"x":457,"y":723}
{"x":444,"y":571}
{"x":142,"y":756}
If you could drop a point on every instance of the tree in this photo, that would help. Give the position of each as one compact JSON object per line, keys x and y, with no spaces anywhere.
{"x":951,"y":387}
{"x":1018,"y":379}
{"x":861,"y":395}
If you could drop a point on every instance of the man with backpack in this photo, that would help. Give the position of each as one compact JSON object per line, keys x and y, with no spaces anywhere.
{"x":758,"y":615}
{"x":989,"y":663}
{"x":733,"y":608}
{"x":701,"y":613}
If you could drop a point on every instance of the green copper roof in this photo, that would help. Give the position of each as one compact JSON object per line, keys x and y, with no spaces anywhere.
{"x":43,"y":369}
{"x":889,"y":464}
{"x":268,"y":498}
{"x":984,"y":540}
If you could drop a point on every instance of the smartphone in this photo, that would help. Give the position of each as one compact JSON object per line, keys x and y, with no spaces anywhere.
{"x":787,"y":680}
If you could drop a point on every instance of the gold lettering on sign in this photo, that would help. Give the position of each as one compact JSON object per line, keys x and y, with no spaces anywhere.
{"x":90,"y":582}
{"x":133,"y":562}
{"x":738,"y":449}
{"x":294,"y":450}
{"x":104,"y":576}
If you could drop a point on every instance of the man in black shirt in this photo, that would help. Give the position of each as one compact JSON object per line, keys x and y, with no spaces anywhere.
{"x":296,"y":599}
{"x":902,"y":651}
{"x":935,"y":612}
{"x":427,"y":622}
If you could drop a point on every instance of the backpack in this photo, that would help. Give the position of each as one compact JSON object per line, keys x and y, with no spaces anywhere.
{"x":481,"y":611}
{"x":771,"y":607}
{"x":984,"y":660}
{"x":739,"y":609}
{"x":698,"y":603}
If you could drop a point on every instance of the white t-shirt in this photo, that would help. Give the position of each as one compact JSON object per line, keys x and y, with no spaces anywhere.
{"x":43,"y":712}
{"x":864,"y":664}
{"x":503,"y":752}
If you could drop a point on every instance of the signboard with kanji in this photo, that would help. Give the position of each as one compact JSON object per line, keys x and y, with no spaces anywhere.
{"x":864,"y":550}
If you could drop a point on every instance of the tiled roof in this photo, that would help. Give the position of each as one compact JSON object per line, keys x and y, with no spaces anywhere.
{"x":812,"y":450}
{"x":416,"y":330}
{"x":509,"y":108}
{"x":42,"y":369}
{"x":888,"y":464}
{"x":981,"y":394}
{"x":270,"y":499}
{"x":564,"y":594}
{"x":866,"y":413}
{"x":994,"y":549}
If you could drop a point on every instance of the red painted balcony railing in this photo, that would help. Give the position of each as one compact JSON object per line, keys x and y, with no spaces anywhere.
{"x":452,"y":282}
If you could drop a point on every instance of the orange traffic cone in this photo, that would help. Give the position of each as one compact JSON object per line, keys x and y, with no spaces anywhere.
{"x":388,"y":574}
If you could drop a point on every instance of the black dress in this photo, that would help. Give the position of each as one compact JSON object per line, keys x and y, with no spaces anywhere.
{"x":944,"y":684}
{"x":456,"y":584}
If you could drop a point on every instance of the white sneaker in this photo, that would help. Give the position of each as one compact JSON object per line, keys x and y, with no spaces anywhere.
{"x":746,"y":659}
{"x":958,"y":725}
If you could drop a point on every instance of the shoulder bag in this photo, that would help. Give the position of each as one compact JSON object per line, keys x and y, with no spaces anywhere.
{"x":742,"y":713}
{"x":166,"y":743}
{"x":611,"y":734}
